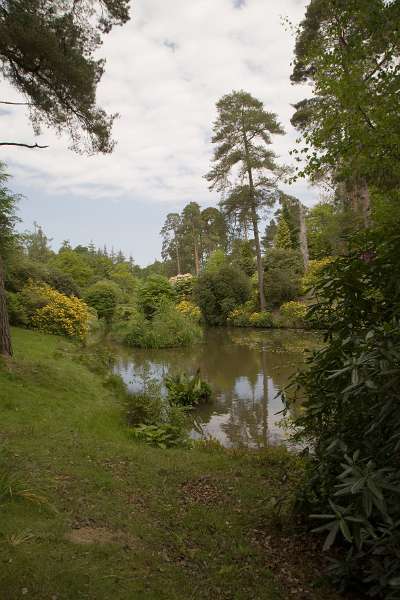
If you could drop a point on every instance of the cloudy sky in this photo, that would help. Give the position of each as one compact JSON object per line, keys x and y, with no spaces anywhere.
{"x":165,"y":71}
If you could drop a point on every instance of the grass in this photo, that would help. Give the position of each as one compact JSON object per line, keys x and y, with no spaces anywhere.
{"x":123,"y":520}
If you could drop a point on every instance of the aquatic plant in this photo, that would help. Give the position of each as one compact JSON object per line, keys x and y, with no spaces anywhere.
{"x":185,"y":390}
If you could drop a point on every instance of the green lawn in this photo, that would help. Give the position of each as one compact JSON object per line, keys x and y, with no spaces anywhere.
{"x":126,"y":521}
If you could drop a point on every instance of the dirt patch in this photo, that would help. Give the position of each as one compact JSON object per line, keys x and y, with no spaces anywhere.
{"x":202,"y":491}
{"x":298,"y":564}
{"x":98,"y":535}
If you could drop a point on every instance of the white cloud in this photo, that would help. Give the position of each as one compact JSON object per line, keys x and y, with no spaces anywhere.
{"x":165,"y":71}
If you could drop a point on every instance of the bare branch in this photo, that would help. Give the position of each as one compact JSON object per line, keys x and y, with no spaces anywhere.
{"x":22,"y":145}
{"x":15,"y":103}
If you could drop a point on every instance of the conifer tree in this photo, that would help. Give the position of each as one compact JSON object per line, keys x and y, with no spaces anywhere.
{"x":242,"y":135}
{"x":282,"y":238}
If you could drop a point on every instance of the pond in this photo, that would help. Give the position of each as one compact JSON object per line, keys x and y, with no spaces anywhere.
{"x":246,"y":369}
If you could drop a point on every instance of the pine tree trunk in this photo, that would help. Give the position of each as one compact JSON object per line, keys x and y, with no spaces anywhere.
{"x":5,"y":337}
{"x":260,"y":268}
{"x":178,"y":259}
{"x":196,"y":257}
{"x":303,"y":237}
{"x":254,"y":218}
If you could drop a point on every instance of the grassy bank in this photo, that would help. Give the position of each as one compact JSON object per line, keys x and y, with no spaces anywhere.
{"x":127,"y":521}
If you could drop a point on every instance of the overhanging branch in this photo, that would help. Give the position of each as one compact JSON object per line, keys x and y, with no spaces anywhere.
{"x":15,"y":103}
{"x":22,"y":145}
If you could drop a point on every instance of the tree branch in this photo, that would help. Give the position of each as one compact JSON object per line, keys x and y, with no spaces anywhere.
{"x":15,"y":103}
{"x":22,"y":145}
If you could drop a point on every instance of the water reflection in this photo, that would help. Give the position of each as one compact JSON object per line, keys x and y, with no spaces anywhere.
{"x":246,"y":369}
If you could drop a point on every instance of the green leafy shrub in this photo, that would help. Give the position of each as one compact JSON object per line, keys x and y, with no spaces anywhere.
{"x":155,"y":290}
{"x":216,"y":261}
{"x":168,"y":328}
{"x":283,"y":271}
{"x":125,"y":312}
{"x":351,"y":414}
{"x":121,"y":275}
{"x":219,"y":292}
{"x":32,"y":297}
{"x":293,"y":314}
{"x":145,"y":407}
{"x":62,"y":282}
{"x":17,"y":312}
{"x":154,"y":420}
{"x":103,"y":296}
{"x":164,"y":435}
{"x":311,"y":276}
{"x":73,"y":264}
{"x":184,"y":390}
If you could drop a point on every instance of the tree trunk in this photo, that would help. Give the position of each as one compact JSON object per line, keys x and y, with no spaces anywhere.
{"x":303,"y":237}
{"x":365,"y":203}
{"x":254,"y":218}
{"x":358,"y":194}
{"x":260,"y":268}
{"x":178,"y":259}
{"x":5,"y":337}
{"x":196,"y":258}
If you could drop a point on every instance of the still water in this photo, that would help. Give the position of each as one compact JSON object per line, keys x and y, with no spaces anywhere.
{"x":246,"y":370}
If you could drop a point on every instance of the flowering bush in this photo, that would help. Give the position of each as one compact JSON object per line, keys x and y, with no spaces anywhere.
{"x":183,"y":285}
{"x":244,"y":316}
{"x":314,"y":269}
{"x":61,"y":315}
{"x":189,"y":309}
{"x":260,"y":319}
{"x":294,"y":313}
{"x":239,"y":317}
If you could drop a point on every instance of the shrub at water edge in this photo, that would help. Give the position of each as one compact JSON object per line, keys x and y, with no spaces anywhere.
{"x":168,"y":328}
{"x":103,"y":296}
{"x":245,"y":316}
{"x":219,"y":292}
{"x":185,"y":390}
{"x":292,"y":314}
{"x":351,"y":414}
{"x":154,"y":420}
{"x":152,"y":292}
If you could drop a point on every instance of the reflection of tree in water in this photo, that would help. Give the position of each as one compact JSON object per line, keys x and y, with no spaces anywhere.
{"x":244,"y":367}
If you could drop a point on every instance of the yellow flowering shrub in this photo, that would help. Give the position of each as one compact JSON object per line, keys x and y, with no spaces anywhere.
{"x":245,"y":316}
{"x":189,"y":309}
{"x":260,"y":319}
{"x":61,"y":314}
{"x":310,"y":277}
{"x":293,"y":312}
